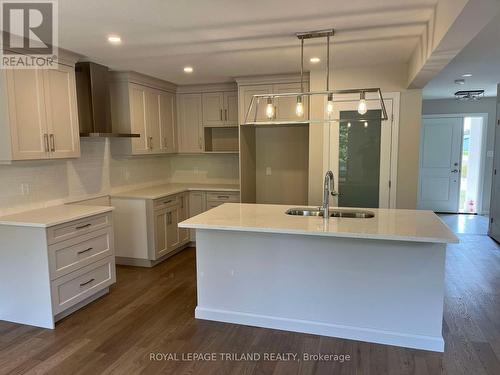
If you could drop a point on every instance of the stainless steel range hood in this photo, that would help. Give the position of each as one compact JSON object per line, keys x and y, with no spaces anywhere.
{"x":94,"y":108}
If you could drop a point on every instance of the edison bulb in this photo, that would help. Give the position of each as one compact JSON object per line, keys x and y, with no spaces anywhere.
{"x":366,"y":124}
{"x":362,"y":108}
{"x":269,"y":109}
{"x":299,"y":109}
{"x":329,"y":105}
{"x":348,"y":124}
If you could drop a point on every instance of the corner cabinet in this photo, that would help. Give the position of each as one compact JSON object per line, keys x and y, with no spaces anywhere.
{"x":146,"y":229}
{"x":144,"y":106}
{"x":39,"y":114}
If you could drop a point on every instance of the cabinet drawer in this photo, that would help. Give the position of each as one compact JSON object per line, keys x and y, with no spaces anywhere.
{"x":221,"y":196}
{"x":165,"y":202}
{"x":78,"y":252}
{"x":76,"y":228}
{"x":74,"y":287}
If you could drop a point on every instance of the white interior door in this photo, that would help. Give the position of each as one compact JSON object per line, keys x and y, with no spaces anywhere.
{"x":440,"y":148}
{"x":360,"y":155}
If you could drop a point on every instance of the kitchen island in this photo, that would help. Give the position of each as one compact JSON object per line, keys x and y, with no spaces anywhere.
{"x":378,"y":279}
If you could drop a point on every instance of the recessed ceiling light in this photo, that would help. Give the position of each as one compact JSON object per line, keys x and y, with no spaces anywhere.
{"x":314,"y":60}
{"x":114,"y":39}
{"x":467,"y":75}
{"x":188,"y":69}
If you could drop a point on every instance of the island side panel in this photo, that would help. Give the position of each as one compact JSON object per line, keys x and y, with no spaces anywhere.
{"x":25,"y":295}
{"x":388,"y":292}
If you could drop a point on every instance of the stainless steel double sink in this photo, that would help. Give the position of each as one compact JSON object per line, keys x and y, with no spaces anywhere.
{"x":335,"y":212}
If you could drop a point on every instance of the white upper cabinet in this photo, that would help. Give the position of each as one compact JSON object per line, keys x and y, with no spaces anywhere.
{"x":167,"y":122}
{"x":39,"y":114}
{"x":220,"y":108}
{"x":139,"y":108}
{"x":213,"y":109}
{"x":190,"y":126}
{"x":231,"y":108}
{"x":62,"y":112}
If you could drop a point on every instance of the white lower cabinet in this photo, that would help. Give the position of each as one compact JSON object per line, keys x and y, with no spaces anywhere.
{"x":147,"y":230}
{"x":46,"y":273}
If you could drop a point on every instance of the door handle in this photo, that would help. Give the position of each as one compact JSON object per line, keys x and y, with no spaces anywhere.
{"x":455,"y":171}
{"x":52,"y":143}
{"x":46,"y":140}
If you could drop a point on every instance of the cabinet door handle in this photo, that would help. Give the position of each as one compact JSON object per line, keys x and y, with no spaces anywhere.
{"x":85,"y":251}
{"x":52,"y":143}
{"x":199,"y":143}
{"x":169,"y":218}
{"x":151,"y":143}
{"x":223,"y":196}
{"x":221,"y":114}
{"x":83,"y":226}
{"x":225,"y":112}
{"x":167,"y":202}
{"x":46,"y":141}
{"x":86,"y":282}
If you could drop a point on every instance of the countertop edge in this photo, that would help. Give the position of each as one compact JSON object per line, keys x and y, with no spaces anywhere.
{"x":57,"y":222}
{"x":321,"y":234}
{"x":127,"y":195}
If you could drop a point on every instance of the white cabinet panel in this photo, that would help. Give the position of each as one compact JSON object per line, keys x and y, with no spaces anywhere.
{"x":138,"y":119}
{"x":62,"y":115}
{"x":213,"y":109}
{"x":190,"y":123}
{"x":28,"y":123}
{"x":167,"y":122}
{"x":231,"y":108}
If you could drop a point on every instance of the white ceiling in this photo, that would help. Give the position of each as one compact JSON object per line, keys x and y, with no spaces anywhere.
{"x":481,"y":58}
{"x":223,"y":39}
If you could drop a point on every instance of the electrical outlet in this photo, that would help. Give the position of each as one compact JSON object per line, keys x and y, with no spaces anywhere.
{"x":269,"y":172}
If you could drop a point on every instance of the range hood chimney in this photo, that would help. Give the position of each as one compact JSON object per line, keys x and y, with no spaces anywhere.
{"x":94,"y":108}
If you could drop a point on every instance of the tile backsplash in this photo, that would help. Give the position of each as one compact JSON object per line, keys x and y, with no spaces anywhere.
{"x":27,"y":185}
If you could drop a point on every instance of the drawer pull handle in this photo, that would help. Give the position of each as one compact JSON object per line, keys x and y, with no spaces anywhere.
{"x":86,"y":283}
{"x":84,"y":251}
{"x":223,"y":196}
{"x":167,"y":202}
{"x":83,"y":226}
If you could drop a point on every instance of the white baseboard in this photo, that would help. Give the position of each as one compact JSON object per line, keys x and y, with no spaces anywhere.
{"x":430,"y":343}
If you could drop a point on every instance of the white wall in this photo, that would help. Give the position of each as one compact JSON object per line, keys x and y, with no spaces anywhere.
{"x":485,"y":105}
{"x":97,"y":173}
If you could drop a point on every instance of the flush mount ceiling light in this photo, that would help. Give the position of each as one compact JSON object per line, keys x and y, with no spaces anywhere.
{"x":469,"y":95}
{"x":330,"y":115}
{"x":467,"y":75}
{"x":460,"y":82}
{"x":188,"y":69}
{"x":315,"y":60}
{"x":114,"y":39}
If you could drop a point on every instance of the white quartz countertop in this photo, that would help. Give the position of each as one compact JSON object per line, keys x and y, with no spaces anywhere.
{"x":50,"y":216}
{"x":388,"y":224}
{"x":160,"y":191}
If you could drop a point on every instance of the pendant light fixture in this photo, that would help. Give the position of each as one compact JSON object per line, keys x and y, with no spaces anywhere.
{"x":330,"y":115}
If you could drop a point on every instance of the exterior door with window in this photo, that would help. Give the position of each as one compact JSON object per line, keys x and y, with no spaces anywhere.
{"x":360,"y":155}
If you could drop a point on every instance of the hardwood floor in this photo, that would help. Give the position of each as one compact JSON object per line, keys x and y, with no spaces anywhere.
{"x":151,"y":311}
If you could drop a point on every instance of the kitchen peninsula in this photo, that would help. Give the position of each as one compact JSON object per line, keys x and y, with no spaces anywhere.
{"x":377,"y":279}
